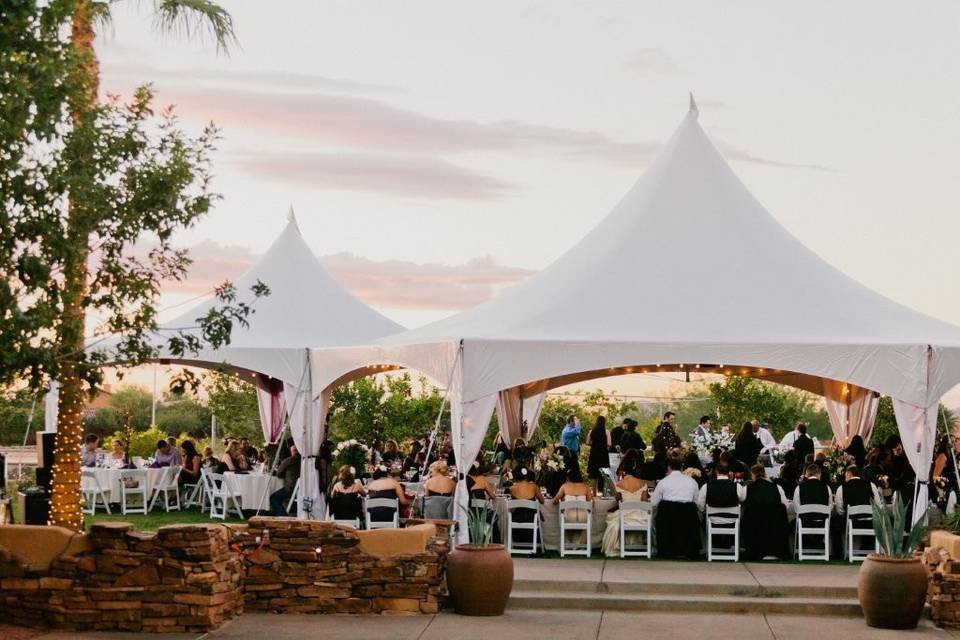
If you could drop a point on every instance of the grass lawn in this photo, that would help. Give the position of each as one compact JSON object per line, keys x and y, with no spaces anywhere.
{"x":155,"y":520}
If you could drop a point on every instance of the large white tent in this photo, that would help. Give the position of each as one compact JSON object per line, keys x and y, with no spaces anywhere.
{"x":306,"y":308}
{"x":687,"y":271}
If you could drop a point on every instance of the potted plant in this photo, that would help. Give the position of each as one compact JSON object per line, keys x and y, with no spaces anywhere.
{"x":893,"y":583}
{"x":480,"y":574}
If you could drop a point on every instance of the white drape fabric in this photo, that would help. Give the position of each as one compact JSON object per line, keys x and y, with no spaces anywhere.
{"x":852,"y":410}
{"x":307,"y":429}
{"x":918,"y":430}
{"x":51,"y":402}
{"x":532,"y":406}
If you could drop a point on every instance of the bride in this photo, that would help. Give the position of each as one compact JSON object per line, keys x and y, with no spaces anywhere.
{"x":630,"y":488}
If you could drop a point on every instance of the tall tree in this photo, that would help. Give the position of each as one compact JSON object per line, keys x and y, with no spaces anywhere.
{"x":83,"y":181}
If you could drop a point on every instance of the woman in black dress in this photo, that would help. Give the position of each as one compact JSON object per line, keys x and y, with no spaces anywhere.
{"x":599,"y":440}
{"x":747,"y":445}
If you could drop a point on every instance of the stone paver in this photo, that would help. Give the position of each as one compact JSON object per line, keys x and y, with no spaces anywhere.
{"x":251,"y":626}
{"x":792,"y":575}
{"x":799,"y":628}
{"x":555,"y":625}
{"x":617,"y":625}
{"x":558,"y":570}
{"x":665,"y":572}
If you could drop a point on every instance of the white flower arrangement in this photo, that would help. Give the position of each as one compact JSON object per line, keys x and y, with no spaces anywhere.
{"x":705,"y":443}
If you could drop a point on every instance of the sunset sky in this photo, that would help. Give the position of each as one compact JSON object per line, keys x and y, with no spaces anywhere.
{"x":436,"y":152}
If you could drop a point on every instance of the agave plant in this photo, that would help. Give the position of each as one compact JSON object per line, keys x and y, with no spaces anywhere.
{"x":889,"y":526}
{"x":479,"y":526}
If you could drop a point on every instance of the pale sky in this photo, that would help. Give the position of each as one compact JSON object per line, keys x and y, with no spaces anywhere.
{"x":458,"y":146}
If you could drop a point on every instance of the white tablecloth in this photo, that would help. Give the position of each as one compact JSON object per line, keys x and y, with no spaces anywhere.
{"x":253,"y":489}
{"x":109,"y":480}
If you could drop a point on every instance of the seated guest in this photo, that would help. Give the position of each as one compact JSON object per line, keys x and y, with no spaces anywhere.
{"x":249,"y":452}
{"x":694,"y":468}
{"x":164,"y":455}
{"x":501,"y":450}
{"x":391,"y":453}
{"x":209,"y":461}
{"x":764,"y":528}
{"x":118,"y":457}
{"x":574,"y":489}
{"x":857,"y":450}
{"x":289,"y":472}
{"x":552,"y":479}
{"x":855,"y":491}
{"x":346,"y":496}
{"x":524,"y":487}
{"x":721,"y":492}
{"x":230,"y":458}
{"x":413,"y":462}
{"x":521,"y":454}
{"x":630,"y":488}
{"x":789,"y":472}
{"x":478,"y":485}
{"x":190,"y":471}
{"x":812,"y":490}
{"x":735,"y":468}
{"x":175,"y":450}
{"x":439,"y":483}
{"x":384,"y":486}
{"x":676,"y":521}
{"x":88,"y":456}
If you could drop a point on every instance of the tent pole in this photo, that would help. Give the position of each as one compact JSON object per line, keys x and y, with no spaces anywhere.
{"x":33,"y":406}
{"x":436,"y":423}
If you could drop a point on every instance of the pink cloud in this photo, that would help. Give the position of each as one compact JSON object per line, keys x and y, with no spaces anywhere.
{"x":395,"y":284}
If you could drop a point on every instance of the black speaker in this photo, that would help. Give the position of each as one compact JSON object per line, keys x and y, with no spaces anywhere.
{"x":34,"y":507}
{"x":45,"y":443}
{"x":45,"y":479}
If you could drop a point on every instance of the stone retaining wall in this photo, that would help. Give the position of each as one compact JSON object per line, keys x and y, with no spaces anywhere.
{"x":299,"y":566}
{"x":943,"y":591}
{"x":182,"y":578}
{"x":192,"y":578}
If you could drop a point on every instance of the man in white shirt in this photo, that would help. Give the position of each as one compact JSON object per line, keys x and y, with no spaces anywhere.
{"x":676,"y":487}
{"x":790,"y":438}
{"x":676,"y":519}
{"x":766,"y":438}
{"x":858,"y":490}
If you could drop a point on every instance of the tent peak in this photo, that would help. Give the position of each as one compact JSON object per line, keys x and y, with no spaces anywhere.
{"x":694,"y":110}
{"x":291,"y":217}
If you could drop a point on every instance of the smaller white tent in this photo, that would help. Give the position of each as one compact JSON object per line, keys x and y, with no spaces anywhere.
{"x":703,"y":277}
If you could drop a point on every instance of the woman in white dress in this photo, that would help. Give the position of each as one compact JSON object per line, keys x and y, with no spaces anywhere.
{"x":117,"y":458}
{"x":630,"y":488}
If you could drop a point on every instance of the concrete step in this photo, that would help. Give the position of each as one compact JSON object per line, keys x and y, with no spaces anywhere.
{"x":678,"y":602}
{"x":685,"y":588}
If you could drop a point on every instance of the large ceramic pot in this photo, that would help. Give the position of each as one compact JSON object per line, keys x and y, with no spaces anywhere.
{"x":892,"y":591}
{"x":480,"y":579}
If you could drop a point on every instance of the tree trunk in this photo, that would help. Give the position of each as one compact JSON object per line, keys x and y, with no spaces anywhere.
{"x":66,"y":502}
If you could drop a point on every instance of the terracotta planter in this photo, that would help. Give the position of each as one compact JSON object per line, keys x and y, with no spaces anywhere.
{"x":480,"y":579}
{"x":892,"y":591}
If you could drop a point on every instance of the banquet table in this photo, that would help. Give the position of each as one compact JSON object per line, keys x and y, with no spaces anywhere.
{"x":109,"y":480}
{"x":550,"y":521}
{"x":253,"y":489}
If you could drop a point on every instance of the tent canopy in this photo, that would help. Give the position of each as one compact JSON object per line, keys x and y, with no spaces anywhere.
{"x":701,"y":273}
{"x":306,"y":308}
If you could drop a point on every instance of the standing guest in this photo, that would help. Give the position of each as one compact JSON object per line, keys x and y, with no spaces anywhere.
{"x":289,"y":472}
{"x":812,"y":490}
{"x":164,"y":455}
{"x":767,"y":441}
{"x":666,"y":437}
{"x":599,"y":440}
{"x":376,"y":453}
{"x":88,"y":456}
{"x":702,"y":429}
{"x":190,"y":470}
{"x":346,"y":496}
{"x":630,"y":488}
{"x":570,"y":437}
{"x":764,"y":526}
{"x":501,"y":450}
{"x":857,"y":450}
{"x":175,"y":450}
{"x":676,"y":521}
{"x":391,"y":453}
{"x":521,"y":454}
{"x":118,"y":457}
{"x":616,"y":434}
{"x":746,"y":445}
{"x":630,"y":438}
{"x":803,"y":445}
{"x":326,"y":471}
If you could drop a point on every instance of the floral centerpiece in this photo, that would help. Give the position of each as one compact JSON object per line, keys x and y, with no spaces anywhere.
{"x":549,"y":461}
{"x":706,"y":442}
{"x":836,"y":462}
{"x":352,"y":453}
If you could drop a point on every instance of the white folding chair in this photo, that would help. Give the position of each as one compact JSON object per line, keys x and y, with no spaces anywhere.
{"x":167,"y":484}
{"x":375,"y":503}
{"x":646,"y":548}
{"x":860,"y":525}
{"x":723,"y":521}
{"x":819,"y":531}
{"x":133,"y":482}
{"x":294,"y":497}
{"x":93,"y":493}
{"x":566,"y":525}
{"x":533,"y":527}
{"x":219,"y":490}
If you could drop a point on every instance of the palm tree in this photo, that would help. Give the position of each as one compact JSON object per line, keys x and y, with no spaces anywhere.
{"x":187,"y":17}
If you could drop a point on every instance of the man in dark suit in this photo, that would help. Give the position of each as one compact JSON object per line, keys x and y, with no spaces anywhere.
{"x":616,"y":434}
{"x":803,"y":445}
{"x":631,"y":439}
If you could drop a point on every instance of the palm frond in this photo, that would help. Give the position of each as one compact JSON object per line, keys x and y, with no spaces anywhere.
{"x":100,"y":14}
{"x":198,"y":18}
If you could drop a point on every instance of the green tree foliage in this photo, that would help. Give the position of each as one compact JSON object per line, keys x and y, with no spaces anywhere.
{"x":234,"y":403}
{"x":15,"y":409}
{"x":185,"y":416}
{"x":886,"y":423}
{"x":388,"y":408}
{"x":738,"y":399}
